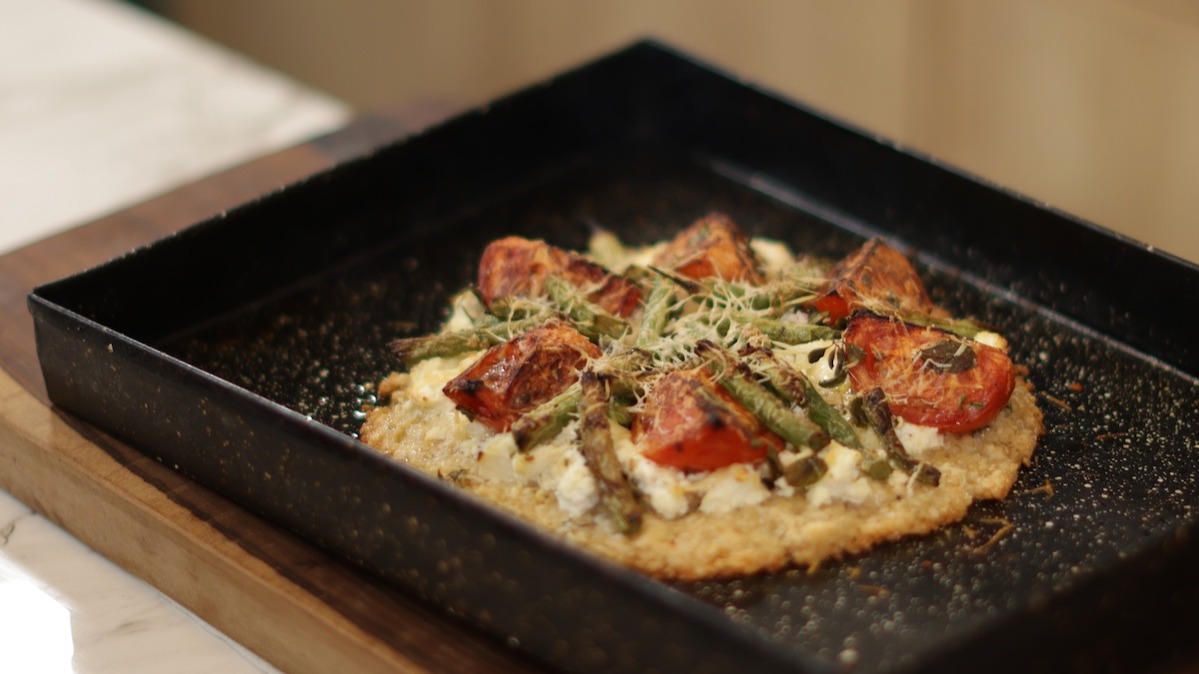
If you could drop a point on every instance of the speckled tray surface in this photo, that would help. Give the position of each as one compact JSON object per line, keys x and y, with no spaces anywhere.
{"x":242,"y":349}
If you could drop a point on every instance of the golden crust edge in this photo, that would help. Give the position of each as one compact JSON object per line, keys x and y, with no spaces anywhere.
{"x":777,"y":536}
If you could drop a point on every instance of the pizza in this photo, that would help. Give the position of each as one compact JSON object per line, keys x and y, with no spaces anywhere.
{"x":712,"y":405}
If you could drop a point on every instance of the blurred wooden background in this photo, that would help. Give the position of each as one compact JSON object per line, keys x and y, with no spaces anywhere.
{"x":1091,"y":106}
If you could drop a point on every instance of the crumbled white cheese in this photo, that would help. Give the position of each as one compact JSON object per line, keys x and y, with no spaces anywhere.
{"x":544,"y":464}
{"x":454,"y":431}
{"x":900,"y":480}
{"x":429,"y":376}
{"x":462,"y":307}
{"x":663,"y":488}
{"x":775,"y":256}
{"x":917,"y":439}
{"x":555,"y":466}
{"x":607,"y":249}
{"x":735,"y":486}
{"x":844,"y":482}
{"x":494,"y":460}
{"x":643,"y":256}
{"x":991,"y":339}
{"x":576,"y":490}
{"x":604,"y":247}
{"x":782,"y":488}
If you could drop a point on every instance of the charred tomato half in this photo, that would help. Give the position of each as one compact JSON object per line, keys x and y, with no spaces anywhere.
{"x":512,"y":378}
{"x":930,"y":377}
{"x":690,"y":423}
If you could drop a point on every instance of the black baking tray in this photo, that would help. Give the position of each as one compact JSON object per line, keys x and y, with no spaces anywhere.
{"x":241,"y":352}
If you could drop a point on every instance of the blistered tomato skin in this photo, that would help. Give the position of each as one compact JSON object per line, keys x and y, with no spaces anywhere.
{"x":930,"y":377}
{"x":518,"y":267}
{"x":512,"y":378}
{"x":691,"y":423}
{"x":874,"y":276}
{"x":712,"y":247}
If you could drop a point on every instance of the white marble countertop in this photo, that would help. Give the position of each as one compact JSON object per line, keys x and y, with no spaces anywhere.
{"x":103,"y":106}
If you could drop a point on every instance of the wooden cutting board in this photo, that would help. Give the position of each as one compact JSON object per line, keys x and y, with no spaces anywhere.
{"x":294,"y":605}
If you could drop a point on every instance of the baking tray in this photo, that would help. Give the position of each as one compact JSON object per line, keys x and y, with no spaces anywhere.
{"x":241,"y":350}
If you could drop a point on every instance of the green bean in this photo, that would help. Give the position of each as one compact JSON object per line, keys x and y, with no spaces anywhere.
{"x":876,"y":411}
{"x":545,"y":421}
{"x":805,"y":472}
{"x":513,"y":308}
{"x":787,"y":332}
{"x":798,"y":390}
{"x":774,"y":297}
{"x":964,"y":327}
{"x":412,"y":350}
{"x":595,"y":444}
{"x":764,"y":405}
{"x":876,"y":468}
{"x":588,"y":318}
{"x":624,"y":371}
{"x":618,"y":410}
{"x":828,"y":418}
{"x":657,"y":311}
{"x":784,"y":379}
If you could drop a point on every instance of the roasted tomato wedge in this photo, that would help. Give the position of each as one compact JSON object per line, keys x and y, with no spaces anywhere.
{"x":931,"y":377}
{"x":712,"y":247}
{"x":512,"y":378}
{"x":876,"y":277}
{"x":690,"y":423}
{"x":517,"y":267}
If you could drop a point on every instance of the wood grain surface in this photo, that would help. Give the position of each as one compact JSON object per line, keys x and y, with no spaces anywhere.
{"x":294,"y":605}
